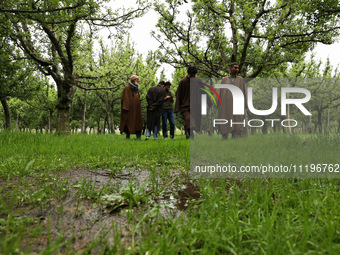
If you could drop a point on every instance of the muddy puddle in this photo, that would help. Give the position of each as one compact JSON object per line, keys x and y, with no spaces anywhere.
{"x":85,"y":215}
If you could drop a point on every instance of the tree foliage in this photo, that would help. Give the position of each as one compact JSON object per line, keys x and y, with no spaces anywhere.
{"x":260,"y":35}
{"x":16,"y":75}
{"x":49,"y":32}
{"x":105,"y":73}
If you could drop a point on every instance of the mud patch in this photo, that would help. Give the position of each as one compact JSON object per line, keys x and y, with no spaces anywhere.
{"x":189,"y":193}
{"x":81,"y":221}
{"x":102,"y":177}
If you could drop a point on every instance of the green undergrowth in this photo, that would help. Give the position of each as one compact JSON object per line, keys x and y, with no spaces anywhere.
{"x":252,"y":216}
{"x":21,"y":153}
{"x":224,"y":216}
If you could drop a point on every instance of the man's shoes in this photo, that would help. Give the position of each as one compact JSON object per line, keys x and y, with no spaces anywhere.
{"x":147,"y":138}
{"x":187,"y":133}
{"x":191,"y":134}
{"x":165,"y":138}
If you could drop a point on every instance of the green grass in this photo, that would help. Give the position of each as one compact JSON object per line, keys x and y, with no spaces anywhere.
{"x":231,"y":216}
{"x":22,"y":153}
{"x":275,"y":148}
{"x":260,"y":217}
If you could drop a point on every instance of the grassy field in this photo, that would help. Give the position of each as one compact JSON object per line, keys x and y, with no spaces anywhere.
{"x":103,"y":194}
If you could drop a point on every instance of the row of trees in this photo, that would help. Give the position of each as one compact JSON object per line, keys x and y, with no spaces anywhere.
{"x":51,"y":34}
{"x":100,"y":109}
{"x":96,"y":103}
{"x":56,"y":70}
{"x":324,"y":105}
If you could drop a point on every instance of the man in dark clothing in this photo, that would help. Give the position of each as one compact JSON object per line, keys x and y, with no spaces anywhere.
{"x":131,"y":110}
{"x":226,"y":112}
{"x":154,"y":97}
{"x":191,"y":116}
{"x":168,"y":113}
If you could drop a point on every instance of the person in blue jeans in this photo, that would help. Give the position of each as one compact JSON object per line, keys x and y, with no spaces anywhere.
{"x":155,"y":98}
{"x":168,"y":112}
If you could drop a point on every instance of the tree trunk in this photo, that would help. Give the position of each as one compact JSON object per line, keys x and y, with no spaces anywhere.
{"x":104,"y":126}
{"x":83,"y":116}
{"x":50,"y":121}
{"x":63,"y":119}
{"x":98,"y":126}
{"x":265,"y":128}
{"x":276,"y":129}
{"x":319,"y":124}
{"x":328,"y":122}
{"x":66,"y":91}
{"x":7,"y":113}
{"x":288,"y":116}
{"x":110,"y":118}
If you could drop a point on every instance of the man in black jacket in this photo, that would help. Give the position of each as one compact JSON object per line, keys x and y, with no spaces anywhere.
{"x":154,"y":97}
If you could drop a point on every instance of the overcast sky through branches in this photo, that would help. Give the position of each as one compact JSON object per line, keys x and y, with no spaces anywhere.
{"x":142,"y":27}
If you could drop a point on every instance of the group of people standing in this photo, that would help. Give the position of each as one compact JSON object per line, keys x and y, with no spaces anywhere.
{"x":160,"y":100}
{"x":160,"y":104}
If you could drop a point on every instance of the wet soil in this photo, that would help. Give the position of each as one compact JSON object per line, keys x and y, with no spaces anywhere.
{"x":80,"y":220}
{"x":189,"y":193}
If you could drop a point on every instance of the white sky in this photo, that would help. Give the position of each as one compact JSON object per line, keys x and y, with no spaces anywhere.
{"x":141,"y":33}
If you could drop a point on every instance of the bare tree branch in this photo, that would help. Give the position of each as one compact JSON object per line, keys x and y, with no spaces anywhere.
{"x":91,"y":83}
